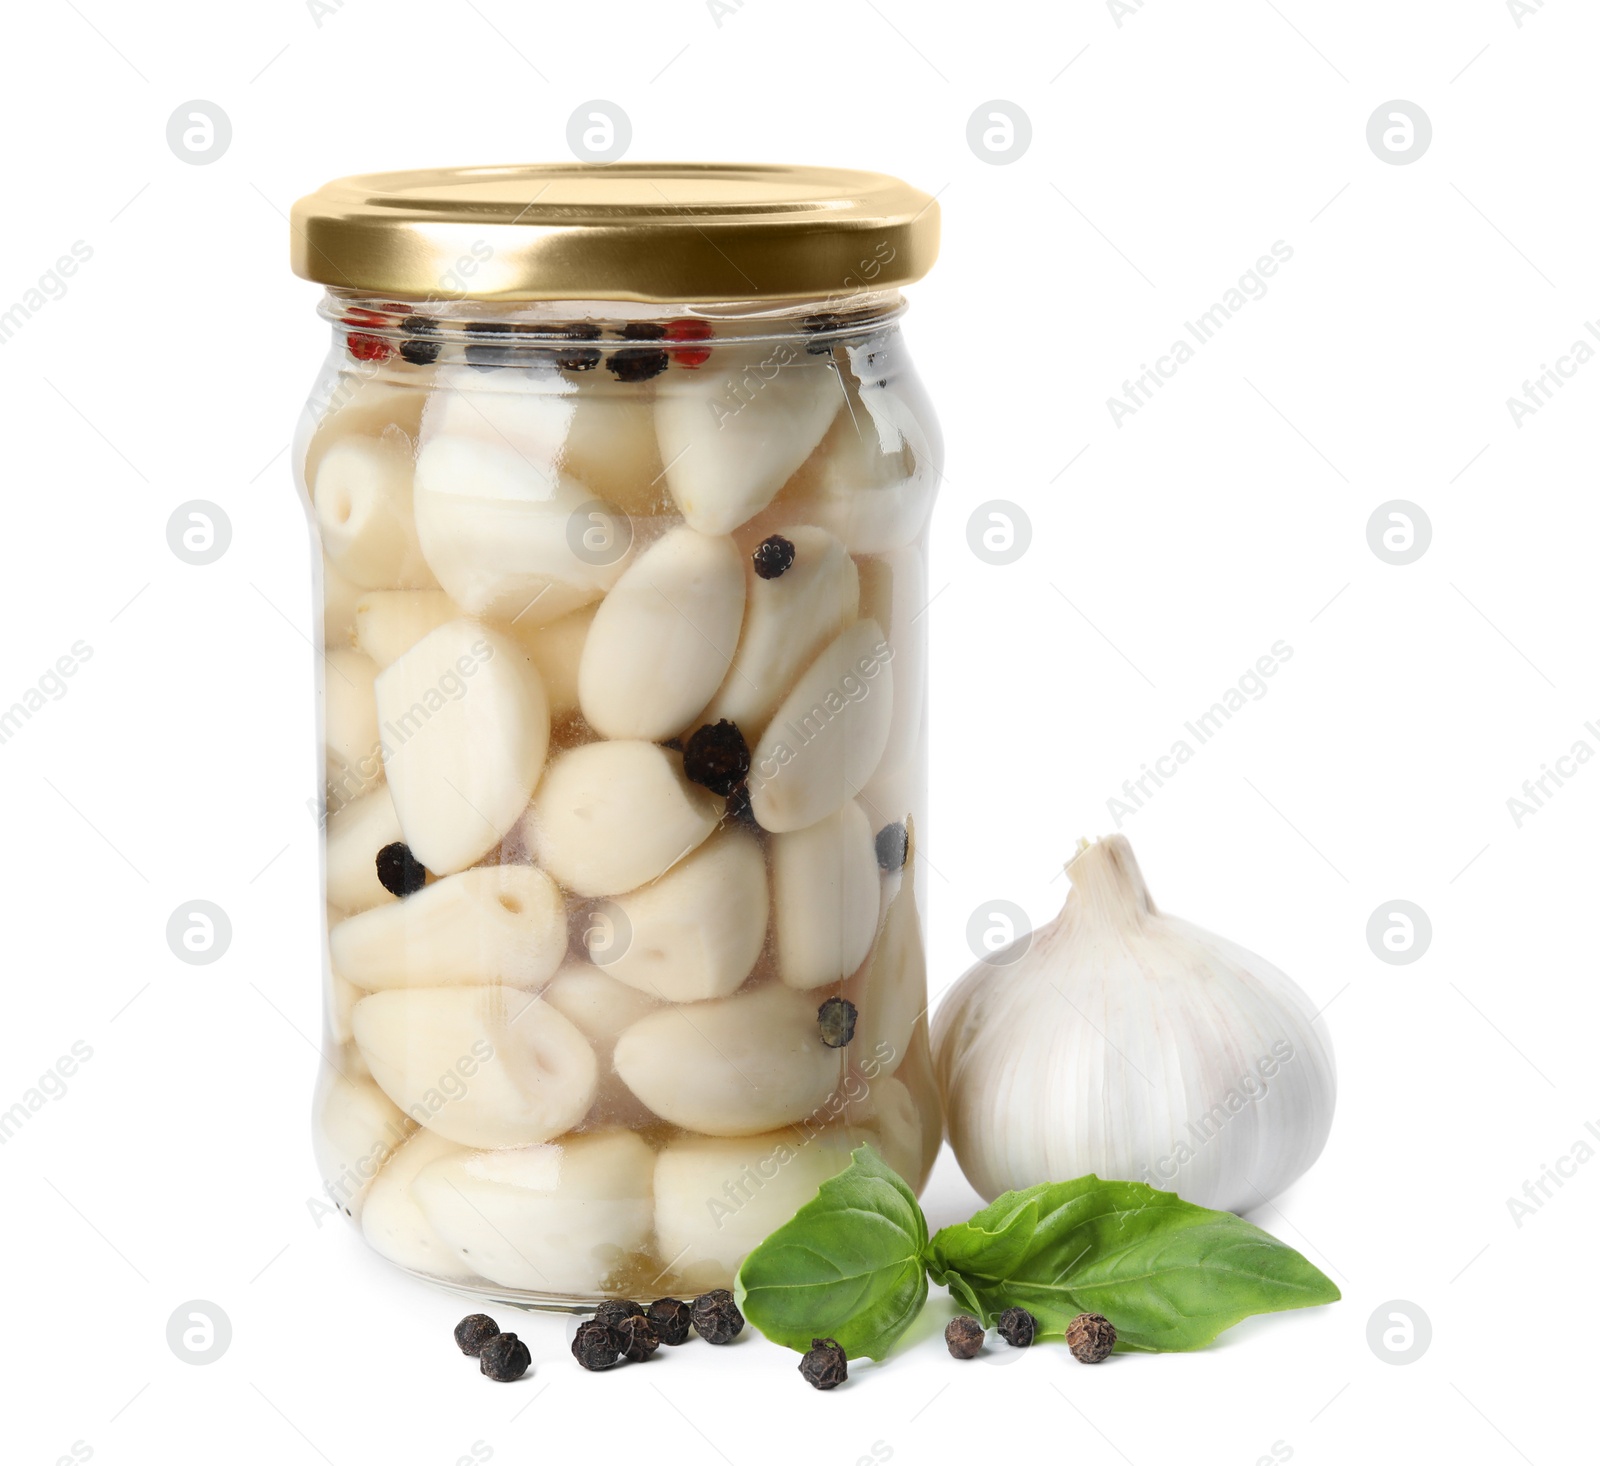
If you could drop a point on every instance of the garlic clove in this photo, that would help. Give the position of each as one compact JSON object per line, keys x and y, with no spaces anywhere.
{"x":697,"y":931}
{"x":663,"y":638}
{"x":356,"y":833}
{"x":506,"y":539}
{"x":337,"y":598}
{"x":889,"y":990}
{"x":828,"y":734}
{"x":872,"y":479}
{"x":389,"y":622}
{"x":483,"y":1066}
{"x":342,"y":999}
{"x":730,"y":438}
{"x":610,"y":817}
{"x":354,"y":1131}
{"x":716,"y":1199}
{"x":362,"y":496}
{"x":825,"y":891}
{"x":894,"y":593}
{"x":393,"y":1223}
{"x":556,"y":650}
{"x":601,"y":1008}
{"x":466,"y":727}
{"x":731,"y":1066}
{"x":889,"y":1115}
{"x":492,"y":924}
{"x":1136,"y":1046}
{"x":353,"y":759}
{"x":602,"y":434}
{"x":552,"y":1219}
{"x":788,"y":621}
{"x":363,"y":407}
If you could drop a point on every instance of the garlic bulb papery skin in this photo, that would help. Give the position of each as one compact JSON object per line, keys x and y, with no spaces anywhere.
{"x":1136,"y":1046}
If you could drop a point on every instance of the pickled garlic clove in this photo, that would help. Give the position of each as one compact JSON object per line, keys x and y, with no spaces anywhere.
{"x":828,"y":734}
{"x":890,"y":988}
{"x":788,"y":621}
{"x":356,"y":833}
{"x":362,"y":495}
{"x":393,"y":1223}
{"x":888,"y":1113}
{"x":873,"y":477}
{"x":611,"y":817}
{"x":494,"y":923}
{"x":825,"y":894}
{"x":355,"y":1128}
{"x":338,"y":600}
{"x":389,"y":622}
{"x":601,"y":432}
{"x":697,"y":931}
{"x":482,"y":1066}
{"x":731,"y":1066}
{"x":731,"y":435}
{"x":353,"y":756}
{"x":715,"y":1199}
{"x":602,"y":1008}
{"x":548,"y":1218}
{"x":342,"y":999}
{"x":362,"y":407}
{"x":556,"y":650}
{"x":894,"y":593}
{"x":664,"y":637}
{"x":508,"y":540}
{"x":466,"y":727}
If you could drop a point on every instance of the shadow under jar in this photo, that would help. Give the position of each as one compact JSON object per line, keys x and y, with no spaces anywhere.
{"x":621,"y":480}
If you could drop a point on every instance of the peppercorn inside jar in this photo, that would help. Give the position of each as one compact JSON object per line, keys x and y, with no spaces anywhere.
{"x":622,"y":572}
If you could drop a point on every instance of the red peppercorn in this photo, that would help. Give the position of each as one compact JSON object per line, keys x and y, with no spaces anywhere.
{"x":688,"y":329}
{"x":367,"y":348}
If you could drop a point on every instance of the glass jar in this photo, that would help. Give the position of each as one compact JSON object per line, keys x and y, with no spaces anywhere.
{"x":622,"y":571}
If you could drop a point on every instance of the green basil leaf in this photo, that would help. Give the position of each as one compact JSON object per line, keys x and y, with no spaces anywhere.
{"x":1169,"y":1275}
{"x":848,"y":1266}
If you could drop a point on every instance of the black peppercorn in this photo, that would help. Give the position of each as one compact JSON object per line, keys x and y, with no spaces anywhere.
{"x":1090,"y":1337}
{"x":716,"y":1317}
{"x":964,"y":1336}
{"x":596,"y":1345}
{"x":892,"y":843}
{"x":474,"y":1331}
{"x":836,"y":1022}
{"x":399,"y":871}
{"x":824,"y":1367}
{"x":670,"y":1318}
{"x":417,"y":348}
{"x":717,"y":756}
{"x":639,"y":1338}
{"x":505,"y":1358}
{"x":643,"y":331}
{"x":772,"y":556}
{"x":487,"y":358}
{"x":636,"y":363}
{"x":577,"y":358}
{"x":614,"y":1310}
{"x":1016,"y":1327}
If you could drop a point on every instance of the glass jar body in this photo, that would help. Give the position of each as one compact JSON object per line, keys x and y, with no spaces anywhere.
{"x":623,"y":728}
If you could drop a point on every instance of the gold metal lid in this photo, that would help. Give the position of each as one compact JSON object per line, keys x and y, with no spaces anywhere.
{"x":687,"y":232}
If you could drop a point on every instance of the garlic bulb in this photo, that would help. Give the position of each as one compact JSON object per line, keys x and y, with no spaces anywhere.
{"x":1136,"y":1046}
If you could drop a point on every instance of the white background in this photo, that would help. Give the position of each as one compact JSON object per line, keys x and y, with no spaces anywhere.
{"x":1169,"y":152}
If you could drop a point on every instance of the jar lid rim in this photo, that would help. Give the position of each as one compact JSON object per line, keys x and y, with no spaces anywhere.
{"x":690,"y":232}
